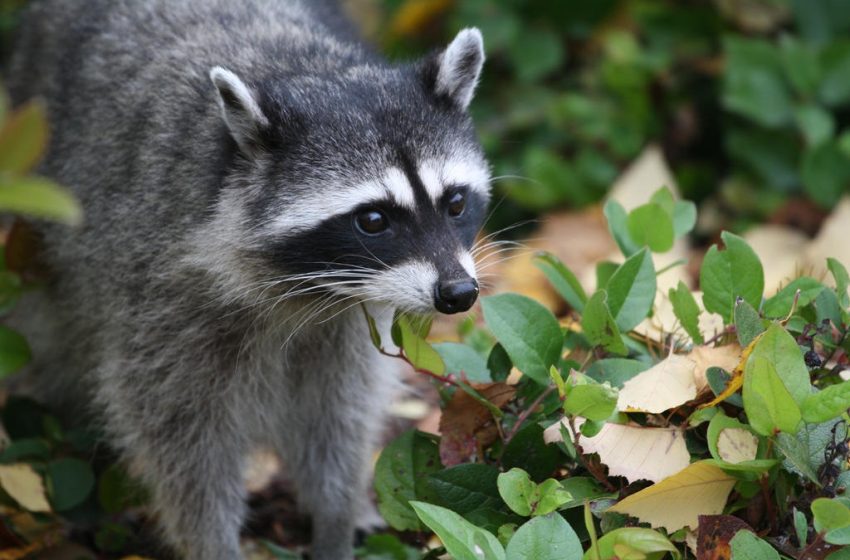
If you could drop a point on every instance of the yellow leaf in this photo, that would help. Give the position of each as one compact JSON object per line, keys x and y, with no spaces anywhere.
{"x":735,"y":445}
{"x":23,"y":484}
{"x":678,"y":501}
{"x":632,"y":451}
{"x":666,"y":385}
{"x":737,"y":375}
{"x":414,"y":15}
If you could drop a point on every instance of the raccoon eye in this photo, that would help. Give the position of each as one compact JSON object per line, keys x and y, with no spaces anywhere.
{"x":457,"y":204}
{"x":371,"y":222}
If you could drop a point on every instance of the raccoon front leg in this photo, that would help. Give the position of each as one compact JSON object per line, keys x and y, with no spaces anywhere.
{"x":328,"y":451}
{"x":181,"y":439}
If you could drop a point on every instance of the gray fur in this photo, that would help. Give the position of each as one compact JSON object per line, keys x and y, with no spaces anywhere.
{"x":167,"y":314}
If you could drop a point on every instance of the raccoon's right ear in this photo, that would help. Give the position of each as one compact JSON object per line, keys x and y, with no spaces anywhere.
{"x":459,"y":66}
{"x":240,"y":110}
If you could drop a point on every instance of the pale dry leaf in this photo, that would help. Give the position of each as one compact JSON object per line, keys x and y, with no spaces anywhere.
{"x":632,"y":451}
{"x":23,"y":484}
{"x":667,"y":384}
{"x":664,"y":321}
{"x":831,"y":241}
{"x":645,"y":175}
{"x":735,"y":445}
{"x":782,"y":254}
{"x":677,"y":501}
{"x":727,"y":357}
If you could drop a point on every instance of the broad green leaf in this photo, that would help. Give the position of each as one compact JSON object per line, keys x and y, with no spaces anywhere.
{"x":26,"y":448}
{"x":825,"y":173}
{"x":527,"y":498}
{"x":686,"y":310}
{"x":599,"y":326}
{"x":801,"y":527}
{"x":584,"y":488}
{"x":651,"y":225}
{"x":664,"y":198}
{"x":463,"y":540}
{"x":830,"y":515}
{"x":780,"y":305}
{"x":644,"y":544}
{"x":618,"y":226}
{"x":748,"y":323}
{"x":70,"y":481}
{"x":23,"y":138}
{"x":827,"y":404}
{"x":14,"y":351}
{"x":835,"y":60}
{"x":615,"y":371}
{"x":684,"y":217}
{"x":746,"y":546}
{"x":40,"y":198}
{"x":838,"y":537}
{"x":528,"y":331}
{"x":718,"y":424}
{"x":816,"y":124}
{"x":466,"y":488}
{"x":528,"y":451}
{"x":462,"y":361}
{"x":544,"y":538}
{"x":536,"y":53}
{"x":420,"y":353}
{"x":729,"y":274}
{"x":374,"y":334}
{"x":383,"y":547}
{"x":563,"y":280}
{"x":116,"y":490}
{"x":401,"y":475}
{"x":604,"y":271}
{"x":754,"y":85}
{"x":595,"y":402}
{"x":782,"y":351}
{"x":768,"y":404}
{"x":842,"y":280}
{"x":631,"y":290}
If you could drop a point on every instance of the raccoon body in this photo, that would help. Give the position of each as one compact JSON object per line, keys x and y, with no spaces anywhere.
{"x":251,"y":174}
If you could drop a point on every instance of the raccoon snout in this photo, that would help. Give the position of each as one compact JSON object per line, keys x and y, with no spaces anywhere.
{"x":454,"y":296}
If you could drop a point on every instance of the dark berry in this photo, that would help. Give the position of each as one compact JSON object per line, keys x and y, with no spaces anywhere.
{"x":813,"y":360}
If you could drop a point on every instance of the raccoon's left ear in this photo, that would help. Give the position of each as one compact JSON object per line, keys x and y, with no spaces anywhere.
{"x":240,"y":110}
{"x":459,"y":66}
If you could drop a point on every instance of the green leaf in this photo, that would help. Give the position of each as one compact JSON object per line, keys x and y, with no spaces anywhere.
{"x":463,"y":361}
{"x":584,"y":488}
{"x":23,"y":138}
{"x":27,"y":448}
{"x":563,"y":280}
{"x":40,"y":198}
{"x":374,"y":334}
{"x":599,"y":326}
{"x":729,"y":274}
{"x":618,"y":226}
{"x":463,"y":540}
{"x":686,"y":310}
{"x":780,"y":304}
{"x":528,"y":331}
{"x":640,"y":543}
{"x":768,"y":404}
{"x":816,"y":124}
{"x":746,"y":546}
{"x":838,"y":536}
{"x":835,"y":60}
{"x":385,"y":547}
{"x":829,"y":515}
{"x":536,"y":53}
{"x":544,"y":538}
{"x":526,"y":498}
{"x":684,"y":217}
{"x":748,"y":323}
{"x":801,"y":527}
{"x":754,"y":86}
{"x":116,"y":490}
{"x":782,"y":351}
{"x":652,"y":226}
{"x":421,"y":354}
{"x":825,"y":173}
{"x":631,"y":290}
{"x":70,"y":482}
{"x":615,"y":371}
{"x":14,"y":351}
{"x":842,"y":281}
{"x":604,"y":271}
{"x":401,"y":475}
{"x":594,"y":402}
{"x":466,"y":488}
{"x":827,"y":404}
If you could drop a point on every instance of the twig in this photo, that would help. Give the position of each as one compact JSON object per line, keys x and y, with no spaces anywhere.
{"x":527,"y":412}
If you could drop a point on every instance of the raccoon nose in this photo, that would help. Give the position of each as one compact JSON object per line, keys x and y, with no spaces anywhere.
{"x":454,"y":296}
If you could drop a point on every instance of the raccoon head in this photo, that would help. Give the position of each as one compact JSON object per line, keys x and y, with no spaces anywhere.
{"x":363,"y":180}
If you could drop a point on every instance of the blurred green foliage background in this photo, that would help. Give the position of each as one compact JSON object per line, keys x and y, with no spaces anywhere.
{"x":750,"y":99}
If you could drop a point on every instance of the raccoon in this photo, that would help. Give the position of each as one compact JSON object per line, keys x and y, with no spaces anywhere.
{"x":252,"y":175}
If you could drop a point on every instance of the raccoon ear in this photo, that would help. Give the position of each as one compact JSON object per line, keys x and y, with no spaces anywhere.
{"x":459,"y":66}
{"x":240,"y":109}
